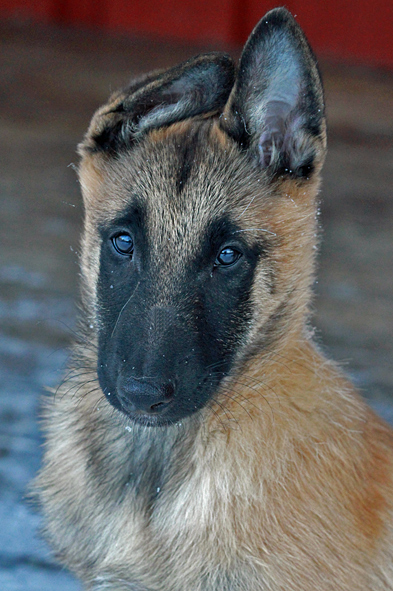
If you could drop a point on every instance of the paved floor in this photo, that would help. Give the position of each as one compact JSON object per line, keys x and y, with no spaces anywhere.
{"x":51,"y":83}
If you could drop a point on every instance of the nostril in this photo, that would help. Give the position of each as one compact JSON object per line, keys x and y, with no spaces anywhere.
{"x":158,"y":406}
{"x":169,"y":391}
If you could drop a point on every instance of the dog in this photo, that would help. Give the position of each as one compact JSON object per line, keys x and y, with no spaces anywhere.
{"x":201,"y":441}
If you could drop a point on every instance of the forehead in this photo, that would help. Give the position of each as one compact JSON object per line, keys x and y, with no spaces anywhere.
{"x":179,"y":182}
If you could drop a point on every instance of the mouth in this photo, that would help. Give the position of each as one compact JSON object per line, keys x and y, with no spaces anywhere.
{"x":170,"y":414}
{"x":159,"y":403}
{"x":148,"y":420}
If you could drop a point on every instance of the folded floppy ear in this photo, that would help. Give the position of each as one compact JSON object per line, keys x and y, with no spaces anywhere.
{"x":276,"y":107}
{"x":199,"y":85}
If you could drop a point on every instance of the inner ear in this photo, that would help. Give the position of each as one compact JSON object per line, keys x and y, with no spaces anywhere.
{"x":276,"y":107}
{"x":272,"y":139}
{"x":201,"y":85}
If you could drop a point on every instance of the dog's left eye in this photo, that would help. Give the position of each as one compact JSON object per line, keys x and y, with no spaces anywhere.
{"x":227,"y":257}
{"x":123,"y":244}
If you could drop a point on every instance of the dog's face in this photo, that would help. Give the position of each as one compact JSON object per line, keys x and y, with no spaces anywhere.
{"x":176,"y":271}
{"x":199,"y":189}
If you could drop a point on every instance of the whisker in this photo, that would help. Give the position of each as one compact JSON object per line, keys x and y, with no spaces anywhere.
{"x":225,"y":410}
{"x":244,"y":211}
{"x":126,"y":304}
{"x":231,"y":387}
{"x":233,"y":398}
{"x":307,"y":366}
{"x":246,"y":399}
{"x":265,"y":400}
{"x":216,"y":364}
{"x":258,"y":383}
{"x":71,"y":378}
{"x":80,"y":387}
{"x":99,"y":401}
{"x":256,"y":230}
{"x":217,"y":415}
{"x":85,"y":394}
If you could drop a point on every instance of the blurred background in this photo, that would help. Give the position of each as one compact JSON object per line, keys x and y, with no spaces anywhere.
{"x":59,"y":60}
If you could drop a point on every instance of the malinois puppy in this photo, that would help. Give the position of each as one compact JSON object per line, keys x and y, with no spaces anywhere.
{"x":201,"y":441}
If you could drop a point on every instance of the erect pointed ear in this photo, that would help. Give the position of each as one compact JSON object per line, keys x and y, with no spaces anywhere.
{"x":276,"y":107}
{"x":200,"y":85}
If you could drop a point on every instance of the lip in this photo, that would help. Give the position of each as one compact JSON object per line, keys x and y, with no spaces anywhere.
{"x":148,"y":420}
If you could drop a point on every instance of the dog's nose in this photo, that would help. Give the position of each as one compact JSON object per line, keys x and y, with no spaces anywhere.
{"x":139,"y":396}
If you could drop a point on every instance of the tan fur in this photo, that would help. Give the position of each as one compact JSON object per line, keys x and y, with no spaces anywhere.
{"x":287,"y":482}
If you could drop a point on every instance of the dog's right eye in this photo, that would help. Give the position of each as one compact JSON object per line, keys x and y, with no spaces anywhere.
{"x":123,"y":244}
{"x":227,"y":257}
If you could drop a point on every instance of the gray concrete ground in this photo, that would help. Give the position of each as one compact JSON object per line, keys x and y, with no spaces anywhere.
{"x":51,"y":82}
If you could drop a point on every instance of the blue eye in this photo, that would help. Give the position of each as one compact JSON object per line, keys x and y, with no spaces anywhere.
{"x":228,"y":256}
{"x":123,"y":244}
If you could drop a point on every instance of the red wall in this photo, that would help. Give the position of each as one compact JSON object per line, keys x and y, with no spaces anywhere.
{"x":359,"y":31}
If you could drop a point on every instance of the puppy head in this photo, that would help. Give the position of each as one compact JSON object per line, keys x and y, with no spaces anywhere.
{"x":199,"y":188}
